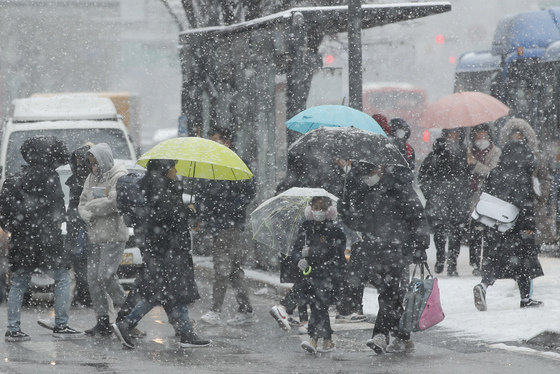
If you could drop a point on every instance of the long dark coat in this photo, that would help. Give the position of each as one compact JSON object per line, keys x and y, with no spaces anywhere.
{"x":169,"y":273}
{"x":32,"y":210}
{"x":513,"y":253}
{"x":326,"y":242}
{"x":444,"y":179}
{"x":391,"y":219}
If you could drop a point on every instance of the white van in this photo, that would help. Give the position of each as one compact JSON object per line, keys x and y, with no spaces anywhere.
{"x":74,"y":119}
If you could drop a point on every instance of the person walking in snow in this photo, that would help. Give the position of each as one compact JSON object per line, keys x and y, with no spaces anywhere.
{"x":444,"y":180}
{"x":319,"y":255}
{"x":32,"y":211}
{"x":107,"y":234}
{"x":168,"y":279}
{"x":382,"y":205}
{"x":514,"y":253}
{"x":400,"y":132}
{"x":222,"y":206}
{"x":482,"y":157}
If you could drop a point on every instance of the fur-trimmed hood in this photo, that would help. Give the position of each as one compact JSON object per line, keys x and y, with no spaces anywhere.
{"x":517,"y":124}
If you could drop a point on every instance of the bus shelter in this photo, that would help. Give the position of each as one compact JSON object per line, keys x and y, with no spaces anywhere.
{"x":253,"y":75}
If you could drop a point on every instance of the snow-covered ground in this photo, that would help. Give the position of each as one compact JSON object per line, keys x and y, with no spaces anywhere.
{"x":504,"y":321}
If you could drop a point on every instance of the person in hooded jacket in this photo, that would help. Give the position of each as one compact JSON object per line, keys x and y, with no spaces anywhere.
{"x":444,"y":180}
{"x":382,"y":205}
{"x":514,"y":253}
{"x":319,"y":253}
{"x":400,"y":132}
{"x":482,"y":157}
{"x":169,"y":275}
{"x":107,"y":234}
{"x":76,"y":230}
{"x":32,"y":210}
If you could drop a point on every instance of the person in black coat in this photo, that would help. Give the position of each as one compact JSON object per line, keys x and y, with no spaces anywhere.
{"x":382,"y":205}
{"x":32,"y":210}
{"x":168,"y":279}
{"x":76,"y":230}
{"x":400,"y":132}
{"x":444,"y":178}
{"x":319,"y":253}
{"x":512,"y":254}
{"x":222,"y":207}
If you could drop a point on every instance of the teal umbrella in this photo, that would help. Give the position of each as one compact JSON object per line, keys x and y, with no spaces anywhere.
{"x":333,"y":116}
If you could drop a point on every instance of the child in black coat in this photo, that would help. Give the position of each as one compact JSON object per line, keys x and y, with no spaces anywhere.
{"x":319,"y":254}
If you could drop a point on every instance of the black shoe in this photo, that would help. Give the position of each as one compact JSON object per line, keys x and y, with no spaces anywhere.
{"x":16,"y":336}
{"x":102,"y":328}
{"x":122,"y":330}
{"x":438,"y":267}
{"x":66,"y":332}
{"x":191,"y":340}
{"x":452,"y":273}
{"x":531,"y":304}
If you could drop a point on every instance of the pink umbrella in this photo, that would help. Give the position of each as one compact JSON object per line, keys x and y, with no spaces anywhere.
{"x":463,"y":109}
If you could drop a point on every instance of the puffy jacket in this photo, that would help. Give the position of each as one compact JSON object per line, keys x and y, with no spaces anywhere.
{"x":104,"y":223}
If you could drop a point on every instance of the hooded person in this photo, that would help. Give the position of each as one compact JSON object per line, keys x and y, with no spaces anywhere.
{"x":400,"y":132}
{"x":76,"y":230}
{"x":514,"y":253}
{"x":168,"y":278}
{"x":107,"y":234}
{"x":482,"y":157}
{"x":382,"y":205}
{"x":32,"y":210}
{"x":544,"y":217}
{"x":444,"y":180}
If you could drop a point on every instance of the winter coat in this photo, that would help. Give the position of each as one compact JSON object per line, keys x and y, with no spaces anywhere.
{"x":223,"y":204}
{"x":326,"y":242}
{"x":486,"y":160}
{"x":389,"y":216}
{"x":544,"y":216}
{"x":104,"y":222}
{"x":444,"y":179}
{"x":169,"y":273}
{"x":75,"y":183}
{"x":514,"y":252}
{"x":32,"y":210}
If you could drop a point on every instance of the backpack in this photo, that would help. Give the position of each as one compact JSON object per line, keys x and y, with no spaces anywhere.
{"x":131,"y":201}
{"x":16,"y":205}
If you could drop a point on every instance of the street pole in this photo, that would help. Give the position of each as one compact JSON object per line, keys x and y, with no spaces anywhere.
{"x":355,"y":53}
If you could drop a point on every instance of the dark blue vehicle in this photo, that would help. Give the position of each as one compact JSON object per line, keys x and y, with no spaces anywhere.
{"x":520,"y":69}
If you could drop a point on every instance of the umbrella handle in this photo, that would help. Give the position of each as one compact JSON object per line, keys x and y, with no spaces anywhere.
{"x":307,"y":271}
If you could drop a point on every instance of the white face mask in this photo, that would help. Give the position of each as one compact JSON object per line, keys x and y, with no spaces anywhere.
{"x":482,"y":143}
{"x":400,"y":133}
{"x":319,"y":215}
{"x":347,"y":168}
{"x":372,"y":180}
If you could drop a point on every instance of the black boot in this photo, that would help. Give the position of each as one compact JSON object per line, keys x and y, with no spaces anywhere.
{"x":102,"y":328}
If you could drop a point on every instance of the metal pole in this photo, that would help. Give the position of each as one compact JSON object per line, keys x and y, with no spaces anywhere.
{"x":355,"y":53}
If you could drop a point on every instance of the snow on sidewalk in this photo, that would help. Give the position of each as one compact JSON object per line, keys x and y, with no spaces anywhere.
{"x":504,"y":321}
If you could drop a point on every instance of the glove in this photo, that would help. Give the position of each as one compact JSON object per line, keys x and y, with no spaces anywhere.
{"x":419,"y":256}
{"x":305,"y":251}
{"x":303,"y":264}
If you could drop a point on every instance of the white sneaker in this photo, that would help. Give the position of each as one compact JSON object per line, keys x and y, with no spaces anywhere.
{"x":310,"y":346}
{"x":351,"y":318}
{"x":212,"y":318}
{"x":242,"y":319}
{"x":378,"y":343}
{"x":399,"y":345}
{"x":479,"y":294}
{"x":302,"y":329}
{"x":278,"y":312}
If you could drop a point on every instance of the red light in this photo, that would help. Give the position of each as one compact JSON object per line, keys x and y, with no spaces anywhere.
{"x":426,"y":136}
{"x":451,"y":59}
{"x":329,"y":59}
{"x":440,"y":39}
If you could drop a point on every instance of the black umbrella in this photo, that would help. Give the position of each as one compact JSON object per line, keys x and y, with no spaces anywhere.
{"x":347,"y":143}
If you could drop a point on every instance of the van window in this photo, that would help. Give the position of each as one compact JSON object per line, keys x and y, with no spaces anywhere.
{"x":73,"y":138}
